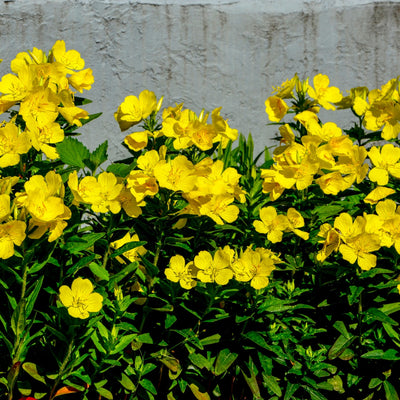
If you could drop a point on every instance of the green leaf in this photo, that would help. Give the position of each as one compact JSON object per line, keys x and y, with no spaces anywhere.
{"x":200,"y":361}
{"x":123,"y":342}
{"x":379,"y":354}
{"x":119,"y":169}
{"x":326,"y":211}
{"x":31,"y":369}
{"x":314,"y":395}
{"x":390,"y":391}
{"x":126,"y":247}
{"x":253,"y":385}
{"x":376,"y":315}
{"x":199,"y":395}
{"x":77,"y":244}
{"x":98,"y":156}
{"x":224,"y":360}
{"x":211,"y":339}
{"x":18,"y":320}
{"x":290,"y":390}
{"x":341,"y":327}
{"x":72,"y":152}
{"x":148,"y":385}
{"x":340,"y":345}
{"x":99,"y":271}
{"x":105,"y":393}
{"x":127,"y":383}
{"x":30,"y":302}
{"x":272,"y":383}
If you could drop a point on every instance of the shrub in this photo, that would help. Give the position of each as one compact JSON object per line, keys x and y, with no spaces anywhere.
{"x":194,"y":268}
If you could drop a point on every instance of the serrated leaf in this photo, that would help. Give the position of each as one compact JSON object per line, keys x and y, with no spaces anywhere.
{"x":99,"y":155}
{"x":73,"y":152}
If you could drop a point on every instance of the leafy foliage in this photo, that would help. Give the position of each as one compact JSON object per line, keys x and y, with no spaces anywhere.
{"x":196,"y":269}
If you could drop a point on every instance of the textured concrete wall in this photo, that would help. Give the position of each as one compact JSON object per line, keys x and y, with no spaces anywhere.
{"x":208,"y":53}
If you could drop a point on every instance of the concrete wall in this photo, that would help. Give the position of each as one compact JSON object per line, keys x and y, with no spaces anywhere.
{"x":208,"y":53}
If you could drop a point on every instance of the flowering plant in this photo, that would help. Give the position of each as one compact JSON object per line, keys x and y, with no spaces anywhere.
{"x":194,"y":268}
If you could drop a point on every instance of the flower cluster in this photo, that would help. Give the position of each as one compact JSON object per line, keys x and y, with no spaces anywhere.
{"x":251,"y":265}
{"x":41,"y":85}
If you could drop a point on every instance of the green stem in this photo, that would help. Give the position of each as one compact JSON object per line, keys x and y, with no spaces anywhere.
{"x":62,"y":368}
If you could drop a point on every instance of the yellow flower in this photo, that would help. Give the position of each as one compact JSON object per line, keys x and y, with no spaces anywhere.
{"x":276,"y":108}
{"x":141,"y":185}
{"x":296,"y":221}
{"x":101,"y":193}
{"x":378,"y":194}
{"x":324,"y":94}
{"x":331,"y":243}
{"x":13,"y":88}
{"x":43,"y":199}
{"x":71,"y":59}
{"x":12,"y":144}
{"x":214,"y":269}
{"x":359,"y":250}
{"x":255,"y":266}
{"x":11,"y":233}
{"x":384,"y":114}
{"x":272,"y":224}
{"x":133,"y":254}
{"x":73,"y":114}
{"x":385,"y":162}
{"x":133,"y":109}
{"x":42,"y":137}
{"x":82,"y":80}
{"x":332,"y":183}
{"x":80,"y":298}
{"x":181,"y":272}
{"x":224,"y":132}
{"x":176,"y":175}
{"x":285,"y":91}
{"x":137,"y":141}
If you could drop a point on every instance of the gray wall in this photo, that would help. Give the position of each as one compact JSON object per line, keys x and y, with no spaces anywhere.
{"x":208,"y":53}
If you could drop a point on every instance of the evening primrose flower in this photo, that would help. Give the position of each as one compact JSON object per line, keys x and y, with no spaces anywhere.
{"x":324,"y":94}
{"x":272,"y":224}
{"x":276,"y":108}
{"x":80,"y":298}
{"x":179,"y":271}
{"x":137,"y":141}
{"x":12,"y":144}
{"x":135,"y":109}
{"x":11,"y":233}
{"x":214,"y":269}
{"x":176,"y":174}
{"x":255,"y":266}
{"x":386,"y":162}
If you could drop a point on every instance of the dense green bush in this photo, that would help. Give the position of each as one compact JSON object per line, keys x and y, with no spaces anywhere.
{"x":195,"y":269}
